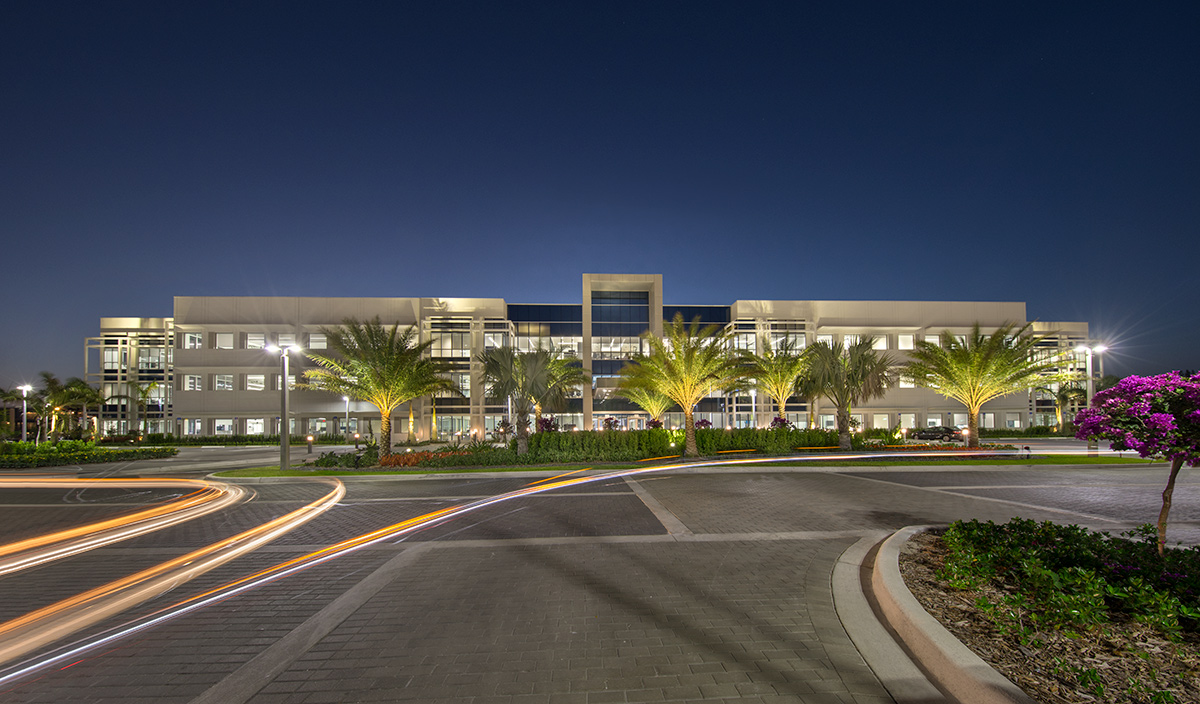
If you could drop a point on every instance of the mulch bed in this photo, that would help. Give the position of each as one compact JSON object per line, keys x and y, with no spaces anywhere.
{"x":1124,"y":661}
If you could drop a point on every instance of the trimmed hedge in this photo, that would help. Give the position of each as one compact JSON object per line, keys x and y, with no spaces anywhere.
{"x":188,"y":440}
{"x":26,"y":454}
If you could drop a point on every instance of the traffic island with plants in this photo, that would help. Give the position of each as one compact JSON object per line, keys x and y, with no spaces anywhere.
{"x":68,"y":452}
{"x":1067,"y":614}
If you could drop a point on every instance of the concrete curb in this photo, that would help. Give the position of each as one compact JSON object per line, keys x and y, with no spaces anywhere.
{"x":949,"y":664}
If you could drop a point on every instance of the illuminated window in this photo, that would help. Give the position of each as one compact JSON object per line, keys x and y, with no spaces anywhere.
{"x":255,"y":340}
{"x":905,"y":341}
{"x":291,"y":382}
{"x":880,"y":420}
{"x":827,"y":339}
{"x":255,"y":426}
{"x":193,"y":341}
{"x":880,"y":343}
{"x":1012,"y":420}
{"x":908,"y":420}
{"x":850,"y":339}
{"x":316,"y":341}
{"x":222,"y":382}
{"x":933,"y":340}
{"x":193,"y":426}
{"x":287,"y":339}
{"x":193,"y":382}
{"x":223,"y":341}
{"x":906,"y":382}
{"x":256,"y":382}
{"x":223,"y":426}
{"x":987,"y":420}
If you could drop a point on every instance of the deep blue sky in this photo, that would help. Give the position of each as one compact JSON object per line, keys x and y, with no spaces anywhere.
{"x":1046,"y":152}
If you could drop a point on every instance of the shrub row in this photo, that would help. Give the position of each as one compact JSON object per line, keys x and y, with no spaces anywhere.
{"x":88,"y":456}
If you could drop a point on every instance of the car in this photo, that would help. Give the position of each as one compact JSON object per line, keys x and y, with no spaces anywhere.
{"x":944,"y":433}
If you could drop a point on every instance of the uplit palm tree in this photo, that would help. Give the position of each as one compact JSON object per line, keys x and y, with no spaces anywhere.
{"x":652,"y":402}
{"x":1064,"y":389}
{"x":849,"y":376}
{"x":776,"y":371}
{"x":527,"y":379}
{"x":83,"y":396}
{"x":979,"y":368}
{"x":685,"y":365}
{"x":566,"y":376}
{"x":384,"y":366}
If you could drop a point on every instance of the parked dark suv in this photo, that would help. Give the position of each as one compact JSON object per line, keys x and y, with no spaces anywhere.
{"x":938,"y":432}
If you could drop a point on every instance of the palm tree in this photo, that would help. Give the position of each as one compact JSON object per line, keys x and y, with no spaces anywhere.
{"x":566,"y":375}
{"x":383,"y":366}
{"x":83,"y":395}
{"x":849,"y":376}
{"x":978,"y":369}
{"x":144,"y":393}
{"x":1063,"y":388}
{"x":528,"y":379}
{"x":685,"y":365}
{"x":649,"y":400}
{"x":776,"y":372}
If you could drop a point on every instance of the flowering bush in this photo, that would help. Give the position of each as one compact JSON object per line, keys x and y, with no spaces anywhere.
{"x":1157,"y":416}
{"x":547,"y":424}
{"x":654,"y":424}
{"x":703,"y":423}
{"x":780,"y":422}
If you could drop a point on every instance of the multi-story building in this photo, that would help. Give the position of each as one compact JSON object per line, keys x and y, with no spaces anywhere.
{"x":207,"y":371}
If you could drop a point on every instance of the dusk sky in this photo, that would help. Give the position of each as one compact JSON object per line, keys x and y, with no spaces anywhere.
{"x":1043,"y":152}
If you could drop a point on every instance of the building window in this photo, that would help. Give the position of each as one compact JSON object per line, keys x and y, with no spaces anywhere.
{"x":256,"y":382}
{"x":849,"y":340}
{"x":906,"y":382}
{"x":255,"y":340}
{"x":908,"y":420}
{"x":905,"y":341}
{"x":255,"y":426}
{"x":933,"y":420}
{"x":223,"y":426}
{"x":193,"y":426}
{"x":960,"y":420}
{"x":1012,"y":420}
{"x":222,"y":382}
{"x":615,"y":347}
{"x":827,"y":339}
{"x":934,"y":340}
{"x":880,"y":342}
{"x":291,"y":382}
{"x":881,"y":420}
{"x":827,"y":421}
{"x":747,"y":341}
{"x":113,"y":358}
{"x":193,"y":341}
{"x":223,"y":341}
{"x":316,"y":341}
{"x":451,"y":344}
{"x":193,"y":382}
{"x":987,"y":420}
{"x":287,"y":339}
{"x":150,"y":358}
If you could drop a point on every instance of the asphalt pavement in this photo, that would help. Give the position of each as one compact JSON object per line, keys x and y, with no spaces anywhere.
{"x":693,"y":585}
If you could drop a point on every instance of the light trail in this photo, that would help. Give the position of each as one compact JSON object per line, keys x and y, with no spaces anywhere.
{"x":27,"y":633}
{"x":206,"y":497}
{"x":351,"y":545}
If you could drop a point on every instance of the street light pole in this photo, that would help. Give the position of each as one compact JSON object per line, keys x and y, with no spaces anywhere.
{"x":24,"y":409}
{"x":285,"y":430}
{"x":1088,"y":350}
{"x":347,"y":400}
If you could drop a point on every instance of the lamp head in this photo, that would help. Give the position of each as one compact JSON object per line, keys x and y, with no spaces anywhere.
{"x":1099,"y":348}
{"x":25,"y":389}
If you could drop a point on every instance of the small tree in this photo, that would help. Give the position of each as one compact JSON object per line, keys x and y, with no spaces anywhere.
{"x":1158,"y":416}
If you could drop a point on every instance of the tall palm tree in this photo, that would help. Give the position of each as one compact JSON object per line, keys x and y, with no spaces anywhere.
{"x":84,"y":395}
{"x":381,"y":365}
{"x":849,"y":376}
{"x":979,"y":368}
{"x":144,"y":393}
{"x":685,"y":365}
{"x":776,"y":371}
{"x":528,"y":379}
{"x":649,"y":400}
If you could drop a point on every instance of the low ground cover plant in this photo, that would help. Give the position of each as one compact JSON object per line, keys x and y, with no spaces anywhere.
{"x":66,"y":452}
{"x":1070,"y":578}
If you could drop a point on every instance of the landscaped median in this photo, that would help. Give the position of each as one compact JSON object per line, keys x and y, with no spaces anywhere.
{"x":69,"y":452}
{"x":1067,"y":614}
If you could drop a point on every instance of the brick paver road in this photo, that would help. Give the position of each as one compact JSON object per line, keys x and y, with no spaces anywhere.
{"x":706,"y":586}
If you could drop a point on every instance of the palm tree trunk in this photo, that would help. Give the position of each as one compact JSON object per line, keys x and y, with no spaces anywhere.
{"x":537,"y":416}
{"x":385,"y":433}
{"x":843,"y":428}
{"x":689,"y":435}
{"x":1166,"y":505}
{"x":412,"y":438}
{"x":522,"y":431}
{"x":973,"y":428}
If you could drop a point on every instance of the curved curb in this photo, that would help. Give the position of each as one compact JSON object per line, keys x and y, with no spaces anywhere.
{"x":950,"y":664}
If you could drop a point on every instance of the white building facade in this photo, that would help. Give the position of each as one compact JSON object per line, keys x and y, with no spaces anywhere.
{"x":207,"y":371}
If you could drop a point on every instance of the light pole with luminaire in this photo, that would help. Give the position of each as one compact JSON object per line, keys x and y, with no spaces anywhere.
{"x":347,"y":400}
{"x":285,"y":430}
{"x":24,"y":409}
{"x":1088,"y":350}
{"x":753,"y":408}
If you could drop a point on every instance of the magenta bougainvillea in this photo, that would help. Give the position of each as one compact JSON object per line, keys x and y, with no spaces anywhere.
{"x":1157,"y":416}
